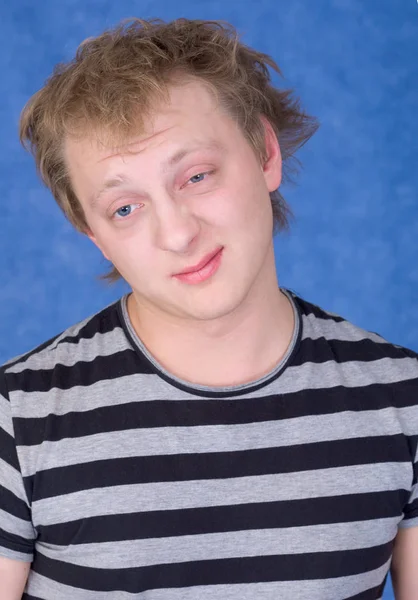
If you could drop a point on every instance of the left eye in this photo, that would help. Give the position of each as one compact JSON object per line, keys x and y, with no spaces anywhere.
{"x":124,"y":211}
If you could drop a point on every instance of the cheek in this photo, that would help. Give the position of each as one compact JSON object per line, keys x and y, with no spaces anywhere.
{"x":122,"y":248}
{"x":243,"y":205}
{"x":133,"y":251}
{"x":133,"y":262}
{"x":253,"y":198}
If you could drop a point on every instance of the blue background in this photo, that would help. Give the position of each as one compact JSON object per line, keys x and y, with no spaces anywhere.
{"x":353,"y":247}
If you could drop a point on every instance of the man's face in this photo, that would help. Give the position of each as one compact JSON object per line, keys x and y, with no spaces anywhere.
{"x":190,"y":184}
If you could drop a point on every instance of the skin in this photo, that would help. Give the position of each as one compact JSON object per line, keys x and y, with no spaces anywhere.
{"x":13,"y":576}
{"x":404,"y":566}
{"x":236,"y":326}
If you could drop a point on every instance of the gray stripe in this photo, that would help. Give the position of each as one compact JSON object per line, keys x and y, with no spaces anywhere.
{"x":12,"y":480}
{"x":16,"y":526}
{"x":151,"y":387}
{"x":317,"y":589}
{"x":70,"y":332}
{"x":212,"y":438}
{"x":259,"y":542}
{"x":315,"y":328}
{"x":113,"y":341}
{"x":241,"y":387}
{"x":112,"y":392}
{"x":14,"y":555}
{"x":352,"y":374}
{"x":408,"y":417}
{"x":414,"y":495}
{"x":409,"y":523}
{"x":68,"y":354}
{"x":125,"y":499}
{"x":5,"y":416}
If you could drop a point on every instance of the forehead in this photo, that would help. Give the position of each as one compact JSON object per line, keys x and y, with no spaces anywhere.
{"x":186,"y":94}
{"x":191,"y":110}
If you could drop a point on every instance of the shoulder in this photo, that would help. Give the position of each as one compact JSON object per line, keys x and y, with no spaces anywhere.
{"x":97,"y":335}
{"x":356,"y":356}
{"x":320,"y":322}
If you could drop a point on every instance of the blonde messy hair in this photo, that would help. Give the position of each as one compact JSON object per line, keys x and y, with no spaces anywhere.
{"x":112,"y":84}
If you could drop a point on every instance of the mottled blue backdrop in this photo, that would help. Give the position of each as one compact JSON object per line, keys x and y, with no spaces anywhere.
{"x":353,"y":248}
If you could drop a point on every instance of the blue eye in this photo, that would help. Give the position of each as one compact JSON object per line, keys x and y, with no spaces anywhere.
{"x":124,"y":211}
{"x":197,"y":178}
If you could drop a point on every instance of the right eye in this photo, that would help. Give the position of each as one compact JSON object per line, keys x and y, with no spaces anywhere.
{"x":124,"y":211}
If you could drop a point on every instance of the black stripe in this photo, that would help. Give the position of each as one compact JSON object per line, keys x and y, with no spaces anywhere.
{"x":126,"y":363}
{"x":142,"y":413}
{"x":217,"y":465}
{"x":3,"y":388}
{"x":321,"y":350}
{"x":370,"y":594}
{"x":320,"y":565}
{"x":216,"y":519}
{"x":15,"y":542}
{"x":306,"y":308}
{"x":30,"y":353}
{"x":143,"y":359}
{"x":119,"y":364}
{"x":8,"y":450}
{"x":411,"y":510}
{"x":309,"y":308}
{"x":103,"y":322}
{"x":13,"y":505}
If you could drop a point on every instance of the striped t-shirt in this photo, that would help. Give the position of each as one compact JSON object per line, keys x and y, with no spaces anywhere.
{"x":120,"y":481}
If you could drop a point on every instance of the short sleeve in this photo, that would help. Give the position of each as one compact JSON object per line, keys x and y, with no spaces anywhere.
{"x":411,"y":509}
{"x":409,"y":420}
{"x":17,"y":533}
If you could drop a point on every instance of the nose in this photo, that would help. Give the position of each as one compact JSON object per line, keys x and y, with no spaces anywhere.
{"x":175,"y":226}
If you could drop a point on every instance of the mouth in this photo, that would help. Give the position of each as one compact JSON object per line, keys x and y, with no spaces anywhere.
{"x":205,"y":260}
{"x":207,"y":269}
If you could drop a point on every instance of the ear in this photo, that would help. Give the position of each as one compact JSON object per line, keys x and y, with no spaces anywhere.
{"x":91,"y":237}
{"x":272,"y":167}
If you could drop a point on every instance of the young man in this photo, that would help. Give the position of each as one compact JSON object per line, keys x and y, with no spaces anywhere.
{"x":210,"y":435}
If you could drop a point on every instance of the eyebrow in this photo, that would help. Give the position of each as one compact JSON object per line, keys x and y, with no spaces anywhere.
{"x":120,"y":180}
{"x":117,"y":181}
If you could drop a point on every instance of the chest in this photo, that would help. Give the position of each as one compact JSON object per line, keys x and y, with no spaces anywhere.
{"x":284,"y":472}
{"x":158,"y":498}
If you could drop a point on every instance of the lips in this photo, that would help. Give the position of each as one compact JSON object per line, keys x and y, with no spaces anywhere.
{"x":202,"y":263}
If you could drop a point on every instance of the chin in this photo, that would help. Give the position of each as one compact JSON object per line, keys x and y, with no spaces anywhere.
{"x":211,"y":306}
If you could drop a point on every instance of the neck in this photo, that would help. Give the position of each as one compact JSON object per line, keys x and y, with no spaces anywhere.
{"x":237,"y":348}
